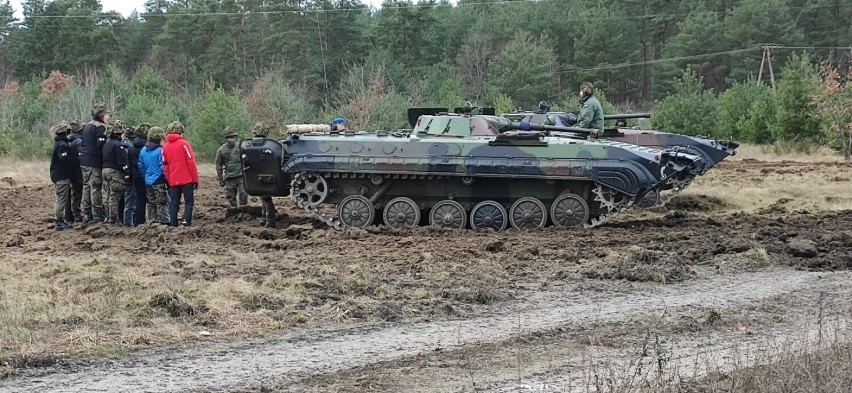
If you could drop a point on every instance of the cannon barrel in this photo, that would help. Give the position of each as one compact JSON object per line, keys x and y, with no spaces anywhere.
{"x":625,"y":116}
{"x":527,"y":126}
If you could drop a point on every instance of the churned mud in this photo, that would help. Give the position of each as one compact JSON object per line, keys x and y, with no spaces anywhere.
{"x":229,"y":306}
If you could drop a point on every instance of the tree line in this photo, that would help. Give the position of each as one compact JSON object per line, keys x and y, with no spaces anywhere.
{"x":208,"y":62}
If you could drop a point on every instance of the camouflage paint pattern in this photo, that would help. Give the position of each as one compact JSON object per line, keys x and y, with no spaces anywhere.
{"x":710,"y":150}
{"x":464,"y":158}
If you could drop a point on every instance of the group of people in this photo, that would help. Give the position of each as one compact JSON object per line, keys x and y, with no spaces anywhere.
{"x":105,"y":172}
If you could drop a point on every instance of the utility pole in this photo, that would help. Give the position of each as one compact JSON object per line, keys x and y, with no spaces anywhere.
{"x":767,"y":59}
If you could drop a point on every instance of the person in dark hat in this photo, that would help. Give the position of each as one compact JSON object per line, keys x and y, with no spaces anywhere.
{"x":63,"y":164}
{"x":75,"y":139}
{"x":91,"y":163}
{"x":229,"y":169}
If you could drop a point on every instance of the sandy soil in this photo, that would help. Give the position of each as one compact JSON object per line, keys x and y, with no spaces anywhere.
{"x":422,"y":309}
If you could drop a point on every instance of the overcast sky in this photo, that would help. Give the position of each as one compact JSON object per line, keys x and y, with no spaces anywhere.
{"x":125,"y":7}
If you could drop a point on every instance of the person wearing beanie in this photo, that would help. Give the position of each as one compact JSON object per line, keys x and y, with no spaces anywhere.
{"x":138,"y":143}
{"x":91,"y":163}
{"x":75,"y":139}
{"x":181,"y":174}
{"x":63,"y":163}
{"x":116,"y":174}
{"x":151,"y":168}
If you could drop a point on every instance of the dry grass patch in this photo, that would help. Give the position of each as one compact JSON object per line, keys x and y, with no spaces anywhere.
{"x":781,"y":187}
{"x":767,"y":153}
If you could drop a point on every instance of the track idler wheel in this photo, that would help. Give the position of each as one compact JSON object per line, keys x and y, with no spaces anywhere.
{"x":312,"y":188}
{"x":489,"y":214}
{"x":448,"y":214}
{"x":650,"y":199}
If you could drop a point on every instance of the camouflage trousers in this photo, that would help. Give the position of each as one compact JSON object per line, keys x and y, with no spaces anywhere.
{"x":92,"y":203}
{"x":76,"y":198}
{"x":114,"y":193}
{"x":158,"y":199}
{"x":63,"y":200}
{"x":268,"y":212}
{"x":73,"y":208}
{"x":234,"y":187}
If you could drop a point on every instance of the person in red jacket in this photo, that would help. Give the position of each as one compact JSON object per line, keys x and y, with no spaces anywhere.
{"x":181,"y":173}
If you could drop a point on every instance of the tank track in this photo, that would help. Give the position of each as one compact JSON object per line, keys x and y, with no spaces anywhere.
{"x":602,"y":195}
{"x":677,"y":188}
{"x":302,"y":203}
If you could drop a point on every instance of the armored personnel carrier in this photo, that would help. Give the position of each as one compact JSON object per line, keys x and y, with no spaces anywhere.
{"x":711,"y":151}
{"x":458,"y":171}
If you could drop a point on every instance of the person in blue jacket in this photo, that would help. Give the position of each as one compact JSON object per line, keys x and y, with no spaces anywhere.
{"x":151,"y":168}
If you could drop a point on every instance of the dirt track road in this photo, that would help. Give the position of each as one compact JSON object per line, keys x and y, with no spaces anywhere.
{"x":289,"y":359}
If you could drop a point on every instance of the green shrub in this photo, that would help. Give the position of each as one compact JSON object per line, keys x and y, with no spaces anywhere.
{"x":735,"y":109}
{"x":797,"y":118}
{"x":691,"y":110}
{"x":218,"y":110}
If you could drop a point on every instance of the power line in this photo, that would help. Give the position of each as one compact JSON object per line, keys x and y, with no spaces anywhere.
{"x":660,"y":60}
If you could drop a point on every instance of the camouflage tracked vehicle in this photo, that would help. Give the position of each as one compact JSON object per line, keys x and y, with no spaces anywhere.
{"x":458,"y":171}
{"x":711,"y":151}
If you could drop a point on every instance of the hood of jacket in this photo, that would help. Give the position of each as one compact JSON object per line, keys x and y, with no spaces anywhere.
{"x":151,"y":146}
{"x":173,"y":137}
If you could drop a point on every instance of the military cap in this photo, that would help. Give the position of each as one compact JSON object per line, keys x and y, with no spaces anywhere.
{"x":229,"y":132}
{"x":98,"y":111}
{"x":587,"y":87}
{"x":118,"y":125}
{"x":175,"y":127}
{"x":156,"y":134}
{"x":337,"y":120}
{"x":142,"y":130}
{"x":75,"y":126}
{"x":260,"y":129}
{"x":61,"y":128}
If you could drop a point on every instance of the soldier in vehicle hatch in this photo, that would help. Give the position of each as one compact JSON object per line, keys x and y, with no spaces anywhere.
{"x":229,"y":169}
{"x":591,"y":114}
{"x":338,"y":124}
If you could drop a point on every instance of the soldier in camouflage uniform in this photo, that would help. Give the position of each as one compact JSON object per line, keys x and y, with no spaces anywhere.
{"x":591,"y":115}
{"x":63,"y":167}
{"x":91,"y":163}
{"x":116,"y":173}
{"x":261,"y":131}
{"x":75,"y":139}
{"x":229,"y":169}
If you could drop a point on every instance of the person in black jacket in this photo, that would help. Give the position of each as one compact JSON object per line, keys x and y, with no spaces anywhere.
{"x":131,"y":193}
{"x":116,"y":173}
{"x":75,"y":138}
{"x":138,"y":177}
{"x":62,"y":167}
{"x":91,"y":163}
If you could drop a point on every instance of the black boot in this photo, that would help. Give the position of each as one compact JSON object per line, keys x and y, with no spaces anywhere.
{"x":60,"y":226}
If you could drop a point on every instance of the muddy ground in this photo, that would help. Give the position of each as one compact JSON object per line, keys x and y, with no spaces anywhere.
{"x":305,"y":308}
